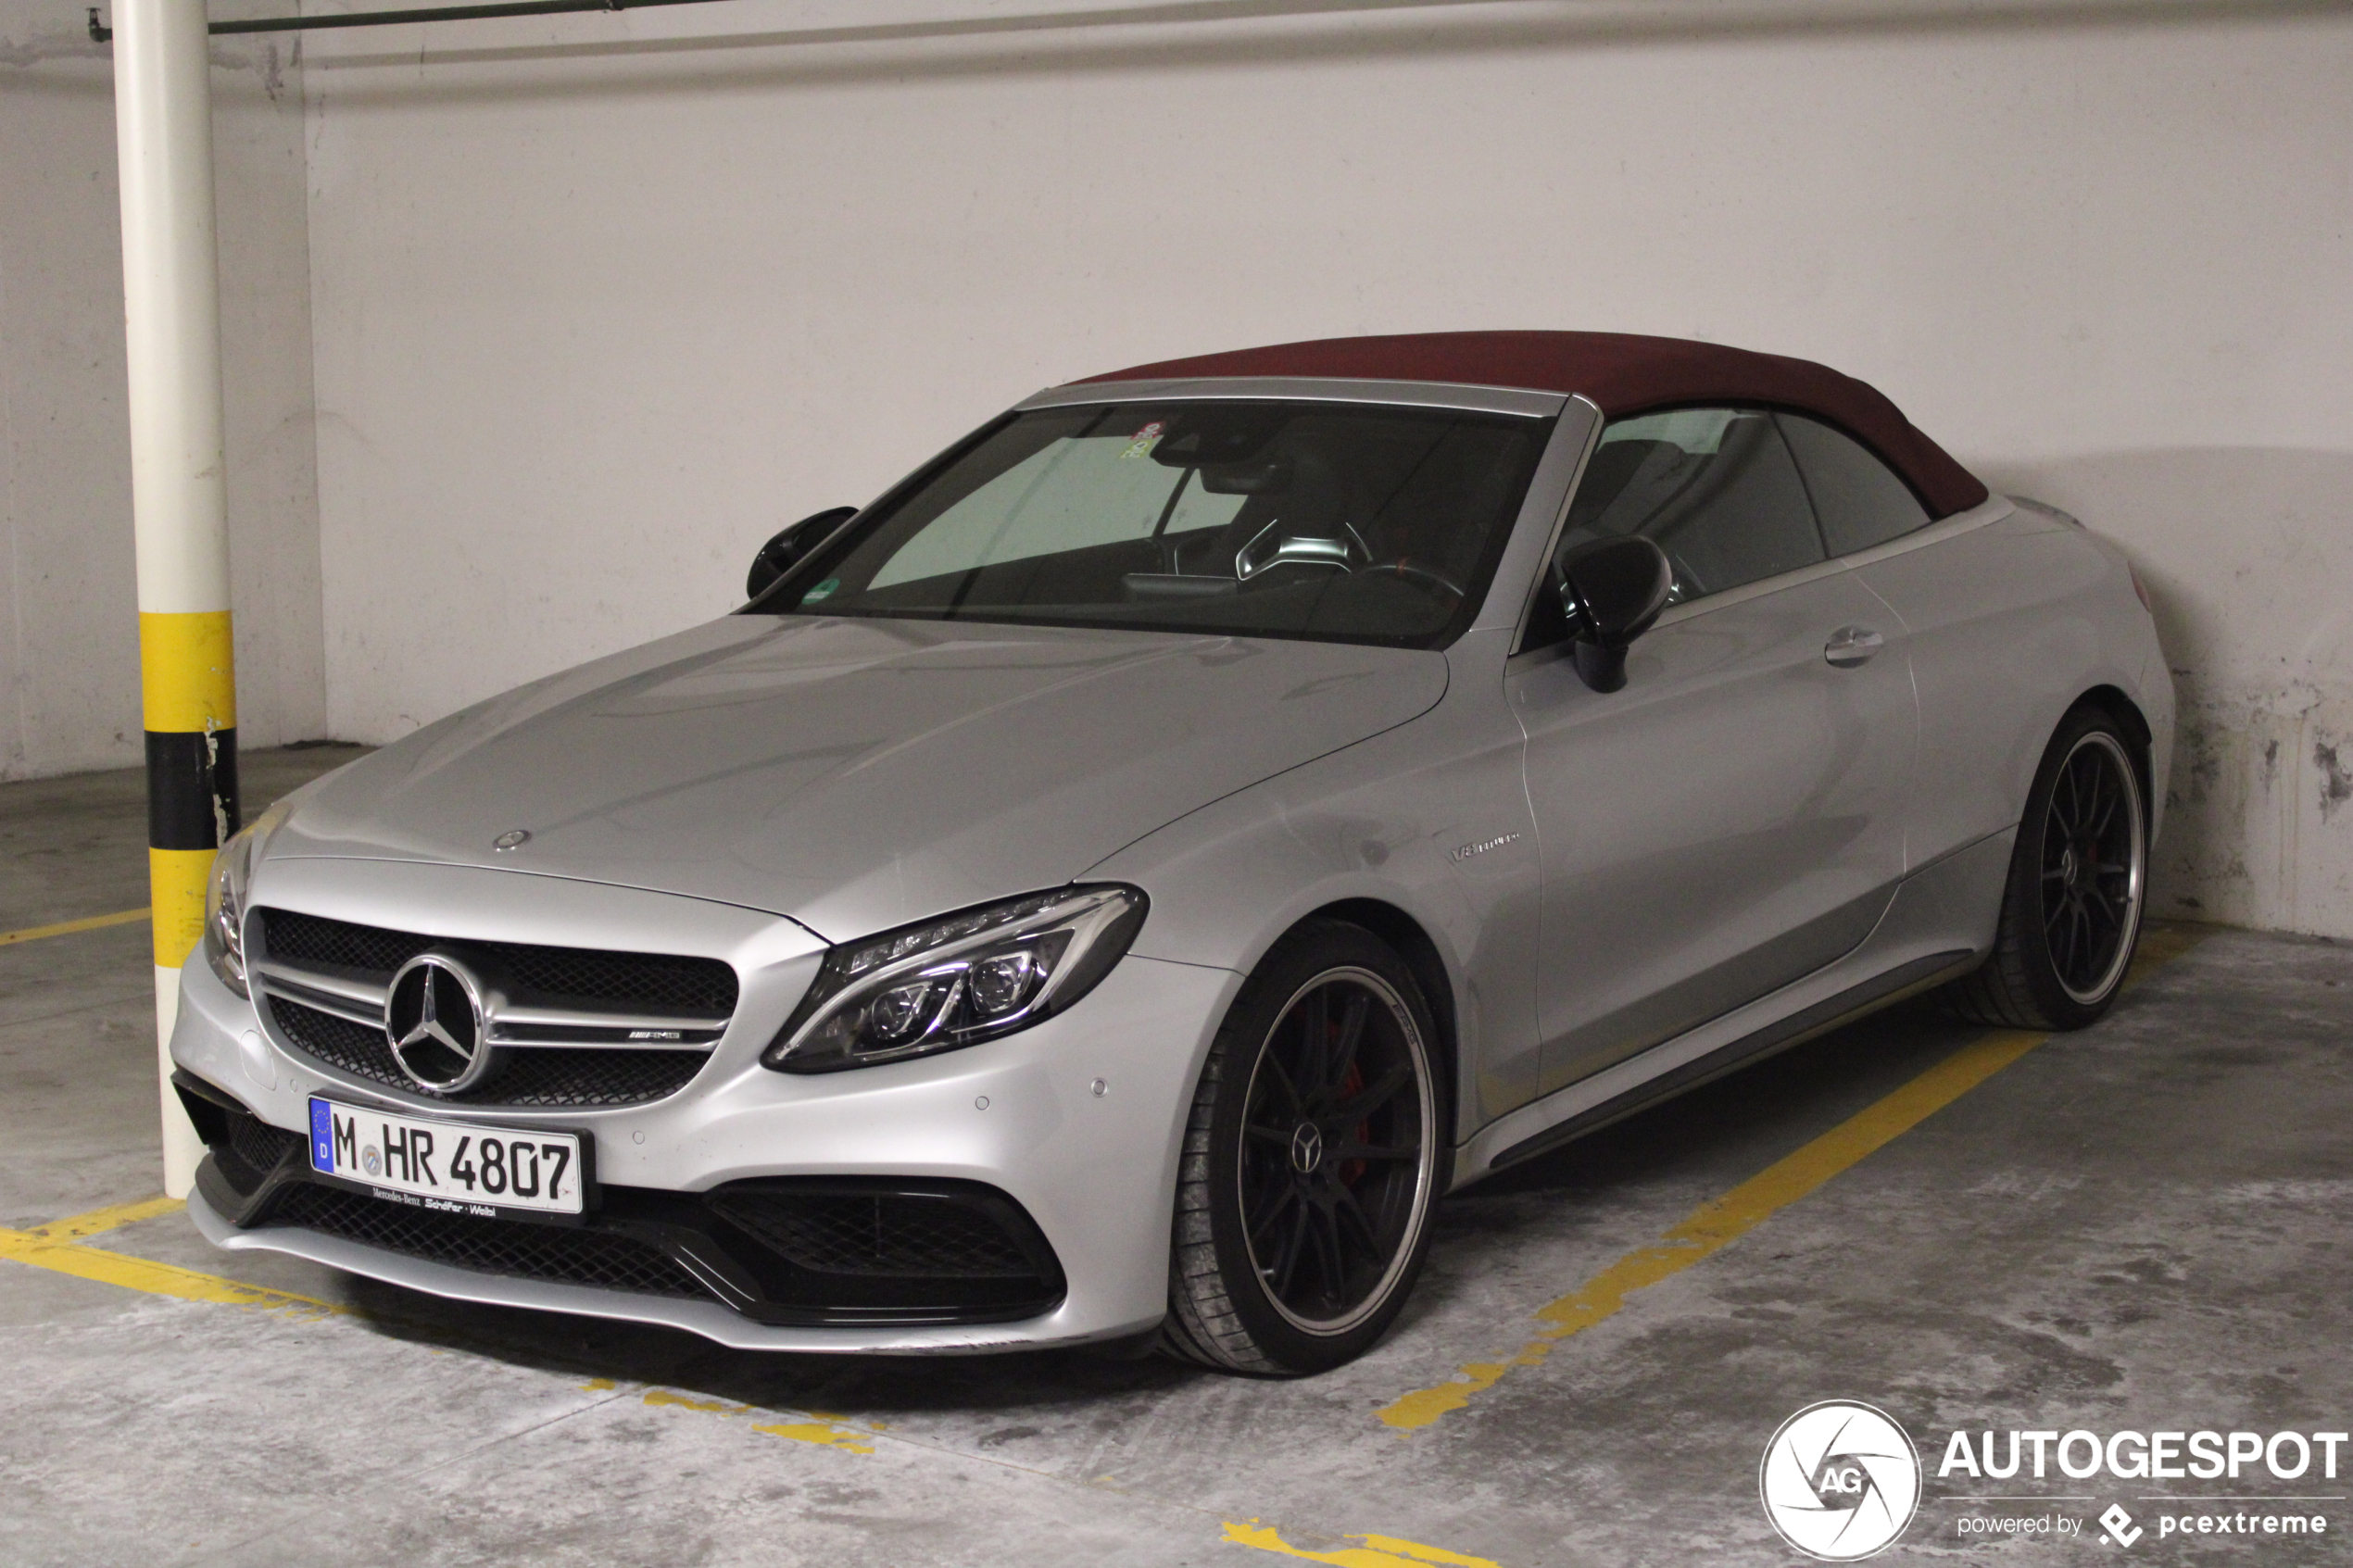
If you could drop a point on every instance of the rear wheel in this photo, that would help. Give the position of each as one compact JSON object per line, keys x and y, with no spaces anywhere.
{"x":1310,"y":1162}
{"x":2071,"y":911}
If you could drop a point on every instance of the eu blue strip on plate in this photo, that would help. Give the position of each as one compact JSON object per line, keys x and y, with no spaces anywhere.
{"x":323,"y":1138}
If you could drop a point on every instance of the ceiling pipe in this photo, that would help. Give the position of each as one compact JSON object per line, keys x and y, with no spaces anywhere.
{"x":101,"y":34}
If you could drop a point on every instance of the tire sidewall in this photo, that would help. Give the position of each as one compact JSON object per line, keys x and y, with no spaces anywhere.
{"x":1295,"y":960}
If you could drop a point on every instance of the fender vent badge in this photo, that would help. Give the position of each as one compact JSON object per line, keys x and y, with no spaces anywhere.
{"x":1483,"y":845}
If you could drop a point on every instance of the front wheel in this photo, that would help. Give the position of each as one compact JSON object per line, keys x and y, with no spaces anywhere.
{"x":2079,"y":873}
{"x":1310,"y":1162}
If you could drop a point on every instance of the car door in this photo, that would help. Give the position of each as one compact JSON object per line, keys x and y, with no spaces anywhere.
{"x":1995,"y":649}
{"x":1733,"y":818}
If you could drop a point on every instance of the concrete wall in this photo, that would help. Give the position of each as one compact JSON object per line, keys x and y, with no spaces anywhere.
{"x":598,"y":302}
{"x":591,"y":319}
{"x":69,"y":608}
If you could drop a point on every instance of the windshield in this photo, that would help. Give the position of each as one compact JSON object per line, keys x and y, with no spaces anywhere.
{"x":1337,"y":521}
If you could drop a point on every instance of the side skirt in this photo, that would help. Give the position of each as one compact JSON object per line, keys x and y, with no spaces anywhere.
{"x":1885,"y":990}
{"x":1939,"y":925}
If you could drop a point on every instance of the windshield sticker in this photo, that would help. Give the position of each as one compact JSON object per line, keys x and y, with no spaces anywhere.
{"x":821,"y":591}
{"x":1146,"y":439}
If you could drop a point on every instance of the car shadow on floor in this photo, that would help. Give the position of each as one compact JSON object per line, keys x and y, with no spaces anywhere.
{"x":1646,"y":1171}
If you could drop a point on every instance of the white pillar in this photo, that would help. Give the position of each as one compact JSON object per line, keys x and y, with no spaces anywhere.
{"x":172,"y":309}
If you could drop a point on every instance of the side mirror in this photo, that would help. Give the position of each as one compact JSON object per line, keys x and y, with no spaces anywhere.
{"x":783,"y":553}
{"x":1611,"y":591}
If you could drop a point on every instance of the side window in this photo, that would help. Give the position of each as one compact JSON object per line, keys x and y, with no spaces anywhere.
{"x":1859,"y":499}
{"x":1714,"y":488}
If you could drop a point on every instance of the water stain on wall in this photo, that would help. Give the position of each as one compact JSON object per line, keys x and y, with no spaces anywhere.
{"x":2337,"y":780}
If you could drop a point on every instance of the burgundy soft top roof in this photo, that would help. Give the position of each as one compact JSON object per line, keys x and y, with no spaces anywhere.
{"x":1620,"y":373}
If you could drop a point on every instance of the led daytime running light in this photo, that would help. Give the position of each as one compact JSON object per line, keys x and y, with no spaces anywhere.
{"x":954,"y":982}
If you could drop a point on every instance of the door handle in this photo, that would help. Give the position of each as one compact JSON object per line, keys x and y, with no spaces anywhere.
{"x":1851,"y":646}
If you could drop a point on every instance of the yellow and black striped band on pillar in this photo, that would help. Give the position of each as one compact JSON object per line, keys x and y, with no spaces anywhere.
{"x":189,"y":677}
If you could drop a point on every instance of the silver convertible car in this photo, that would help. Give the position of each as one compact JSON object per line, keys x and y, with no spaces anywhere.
{"x":1106,"y":890}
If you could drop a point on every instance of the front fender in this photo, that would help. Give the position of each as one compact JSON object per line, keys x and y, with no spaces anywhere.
{"x":1430,"y":819}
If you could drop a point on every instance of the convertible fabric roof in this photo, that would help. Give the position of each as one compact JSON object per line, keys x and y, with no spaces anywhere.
{"x":1620,"y":373}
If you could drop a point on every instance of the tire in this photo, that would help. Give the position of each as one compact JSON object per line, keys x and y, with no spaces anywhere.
{"x":1318,"y":1114}
{"x":2067,"y":932}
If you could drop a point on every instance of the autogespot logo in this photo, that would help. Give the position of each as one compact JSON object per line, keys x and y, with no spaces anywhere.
{"x":1840,"y":1480}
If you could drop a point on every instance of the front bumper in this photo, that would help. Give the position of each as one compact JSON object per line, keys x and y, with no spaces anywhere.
{"x":1078,"y":1119}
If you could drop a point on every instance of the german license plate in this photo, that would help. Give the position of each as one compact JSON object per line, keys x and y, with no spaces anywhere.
{"x":459,"y":1168}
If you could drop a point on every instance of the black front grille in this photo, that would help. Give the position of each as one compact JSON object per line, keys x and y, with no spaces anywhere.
{"x":778,"y":1250}
{"x":245,"y":1147}
{"x":515,"y":1248}
{"x":541,"y":1076}
{"x":908,"y":1234}
{"x":260,"y":1145}
{"x":310,"y":939}
{"x":658,"y":982}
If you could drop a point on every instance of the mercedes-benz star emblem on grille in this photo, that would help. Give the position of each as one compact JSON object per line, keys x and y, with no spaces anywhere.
{"x":434,"y":1016}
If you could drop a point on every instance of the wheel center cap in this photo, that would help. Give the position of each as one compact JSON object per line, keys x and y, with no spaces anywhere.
{"x":2068,"y":866}
{"x":1306,"y":1148}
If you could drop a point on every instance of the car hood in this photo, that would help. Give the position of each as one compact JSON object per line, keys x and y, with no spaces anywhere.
{"x":856,"y":774}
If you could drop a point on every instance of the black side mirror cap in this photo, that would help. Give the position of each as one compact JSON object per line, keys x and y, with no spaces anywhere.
{"x":1612,"y":590}
{"x":785,"y":551}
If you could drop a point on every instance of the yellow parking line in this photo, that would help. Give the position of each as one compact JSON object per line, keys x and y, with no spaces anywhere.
{"x":57,"y":1247}
{"x":99,"y":1220}
{"x":1717,"y":1224}
{"x":1379,"y":1552}
{"x":153,"y":1278}
{"x":67,"y":927}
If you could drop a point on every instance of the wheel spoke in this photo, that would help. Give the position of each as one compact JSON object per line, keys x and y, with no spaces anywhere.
{"x":1376,"y":1095}
{"x":1287,"y":1265}
{"x":1323,"y":1231}
{"x":1282,"y":1081}
{"x":1265,"y":1134}
{"x":2107,"y":811}
{"x":1284,"y":1195}
{"x":2066,"y":815}
{"x":1369,"y":1240}
{"x":1315,"y":1061}
{"x":1352,"y":1035}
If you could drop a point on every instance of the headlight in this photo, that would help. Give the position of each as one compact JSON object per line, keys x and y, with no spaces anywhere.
{"x":958,"y":980}
{"x":224,"y":911}
{"x":224,"y":900}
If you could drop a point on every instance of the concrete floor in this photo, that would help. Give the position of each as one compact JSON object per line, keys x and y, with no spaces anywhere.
{"x":2140,"y":1226}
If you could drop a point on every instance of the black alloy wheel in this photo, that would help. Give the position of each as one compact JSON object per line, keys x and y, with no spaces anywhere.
{"x":1311,"y":1163}
{"x":2092,"y":868}
{"x":1331,"y":1150}
{"x":2078,"y":881}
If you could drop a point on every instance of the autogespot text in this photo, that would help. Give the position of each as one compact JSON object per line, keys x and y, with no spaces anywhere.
{"x":2146,"y":1456}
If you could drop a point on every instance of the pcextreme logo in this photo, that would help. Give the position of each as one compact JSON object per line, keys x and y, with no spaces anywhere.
{"x":1840,"y":1480}
{"x":2174,"y":1463}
